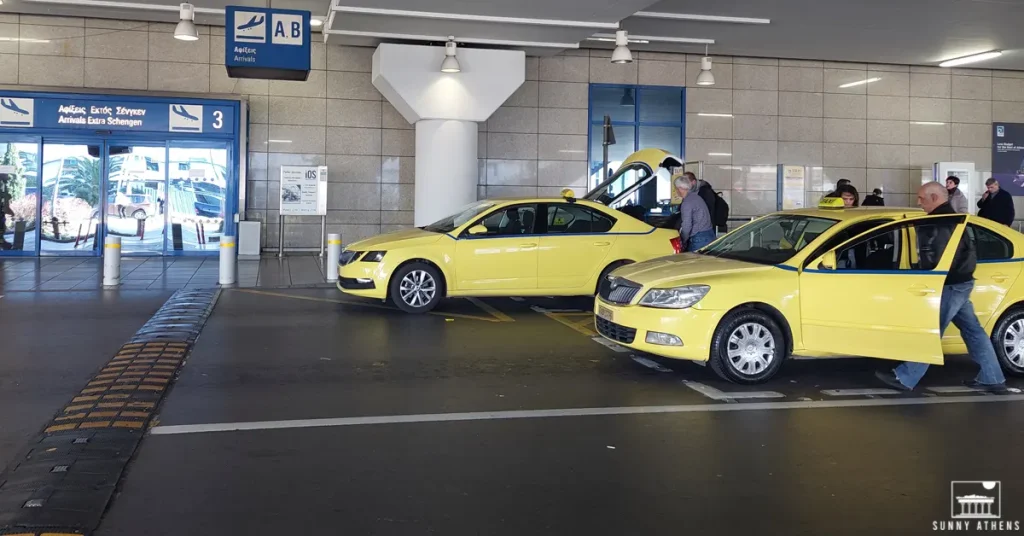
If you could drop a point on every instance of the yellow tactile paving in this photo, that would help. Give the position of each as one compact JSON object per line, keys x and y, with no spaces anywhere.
{"x":136,"y":425}
{"x":80,"y":407}
{"x":116,"y":396}
{"x":110,"y":405}
{"x":94,"y":424}
{"x":61,"y":428}
{"x":70,"y":417}
{"x":135,"y":414}
{"x":85,"y":399}
{"x":102,"y":414}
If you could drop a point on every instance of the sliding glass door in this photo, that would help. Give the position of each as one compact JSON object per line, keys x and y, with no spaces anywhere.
{"x":19,"y":197}
{"x":137,"y":197}
{"x":71,"y":219}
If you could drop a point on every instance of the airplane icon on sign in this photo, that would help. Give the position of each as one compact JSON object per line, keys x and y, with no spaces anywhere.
{"x":12,"y":106}
{"x":180,"y":110}
{"x":256,"y":20}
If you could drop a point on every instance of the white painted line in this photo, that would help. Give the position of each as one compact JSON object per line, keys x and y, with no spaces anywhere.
{"x":572,"y":412}
{"x":653,"y":365}
{"x":517,"y":299}
{"x":860,"y":392}
{"x":611,"y":345}
{"x":715,"y":394}
{"x":542,"y":310}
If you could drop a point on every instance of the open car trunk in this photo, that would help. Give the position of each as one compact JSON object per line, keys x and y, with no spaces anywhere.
{"x":636,"y":173}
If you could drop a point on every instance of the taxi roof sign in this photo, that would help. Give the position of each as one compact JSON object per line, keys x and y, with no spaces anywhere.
{"x":831,"y":202}
{"x":568,"y":193}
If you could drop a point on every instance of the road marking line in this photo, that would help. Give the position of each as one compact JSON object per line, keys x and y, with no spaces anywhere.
{"x":654,"y":365}
{"x":543,"y":310}
{"x":502,"y":317}
{"x":860,"y":392}
{"x":611,"y":345}
{"x":355,"y":303}
{"x":571,"y":412}
{"x":722,"y":396}
{"x":513,"y":298}
{"x":571,"y":325}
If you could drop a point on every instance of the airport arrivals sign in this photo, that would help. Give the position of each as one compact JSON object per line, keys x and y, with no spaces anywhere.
{"x":267,"y":43}
{"x":115,"y":115}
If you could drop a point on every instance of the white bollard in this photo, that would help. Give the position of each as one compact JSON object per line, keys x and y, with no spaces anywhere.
{"x":333,"y":255}
{"x":112,"y":261}
{"x":227,"y":260}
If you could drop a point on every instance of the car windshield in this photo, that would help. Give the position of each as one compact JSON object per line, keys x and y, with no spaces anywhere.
{"x":460,"y":218}
{"x":770,"y":240}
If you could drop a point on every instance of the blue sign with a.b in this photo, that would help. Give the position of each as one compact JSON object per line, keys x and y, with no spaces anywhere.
{"x":116,"y":114}
{"x":267,"y":43}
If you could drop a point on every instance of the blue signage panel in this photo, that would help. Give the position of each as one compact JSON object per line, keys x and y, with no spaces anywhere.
{"x":267,"y":43}
{"x":116,"y":115}
{"x":1008,"y":156}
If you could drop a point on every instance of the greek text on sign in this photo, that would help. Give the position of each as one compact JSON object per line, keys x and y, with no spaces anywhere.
{"x":149,"y":115}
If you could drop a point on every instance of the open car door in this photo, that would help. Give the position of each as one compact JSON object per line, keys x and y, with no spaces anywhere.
{"x":878,"y":293}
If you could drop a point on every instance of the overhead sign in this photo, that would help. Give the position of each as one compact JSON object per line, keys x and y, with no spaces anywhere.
{"x":303,"y":191}
{"x":267,"y":43}
{"x":1008,"y":156}
{"x":119,"y":115}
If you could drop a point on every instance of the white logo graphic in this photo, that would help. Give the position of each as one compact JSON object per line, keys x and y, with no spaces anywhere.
{"x":976,"y":500}
{"x":1000,"y":131}
{"x":17,"y":112}
{"x":250,"y":27}
{"x":186,"y":118}
{"x":286,"y":29}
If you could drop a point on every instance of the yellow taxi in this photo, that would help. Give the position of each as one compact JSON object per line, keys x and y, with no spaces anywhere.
{"x":816,"y":282}
{"x":502,"y":247}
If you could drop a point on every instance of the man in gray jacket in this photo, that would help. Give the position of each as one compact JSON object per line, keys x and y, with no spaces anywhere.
{"x":957,"y":199}
{"x":695,"y":228}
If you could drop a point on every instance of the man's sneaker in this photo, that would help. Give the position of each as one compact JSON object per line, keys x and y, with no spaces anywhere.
{"x":989,"y":387}
{"x":889,"y":378}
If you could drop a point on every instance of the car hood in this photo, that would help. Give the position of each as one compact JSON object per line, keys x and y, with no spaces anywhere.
{"x":684,"y":269}
{"x":397,"y":239}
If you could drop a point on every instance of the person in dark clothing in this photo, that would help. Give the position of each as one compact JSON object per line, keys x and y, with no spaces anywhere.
{"x":849,"y":195}
{"x":875,"y":199}
{"x":996,"y":204}
{"x":955,"y":305}
{"x":705,"y":192}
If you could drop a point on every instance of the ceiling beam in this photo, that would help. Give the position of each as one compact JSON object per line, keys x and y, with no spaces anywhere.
{"x":473,"y":18}
{"x":700,"y":18}
{"x":442,"y":38}
{"x":114,"y":4}
{"x":656,"y":39}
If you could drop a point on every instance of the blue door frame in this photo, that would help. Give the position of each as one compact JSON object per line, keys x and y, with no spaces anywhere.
{"x":39,"y":136}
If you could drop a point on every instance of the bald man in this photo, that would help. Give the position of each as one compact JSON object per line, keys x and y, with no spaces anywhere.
{"x":955,"y":305}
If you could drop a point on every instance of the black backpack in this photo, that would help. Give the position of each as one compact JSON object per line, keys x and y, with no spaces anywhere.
{"x":720,"y":216}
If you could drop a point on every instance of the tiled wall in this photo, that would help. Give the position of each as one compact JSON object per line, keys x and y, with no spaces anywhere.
{"x":783,"y":112}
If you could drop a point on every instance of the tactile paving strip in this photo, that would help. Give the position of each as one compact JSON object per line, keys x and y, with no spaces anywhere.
{"x":61,"y":484}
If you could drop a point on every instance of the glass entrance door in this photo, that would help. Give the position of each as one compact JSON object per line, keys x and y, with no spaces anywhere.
{"x":197,"y":197}
{"x":19,"y":196}
{"x":137,"y":197}
{"x":70,"y":217}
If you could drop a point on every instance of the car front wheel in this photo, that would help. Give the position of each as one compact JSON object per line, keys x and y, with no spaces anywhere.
{"x":416,"y":287}
{"x":1008,"y":340}
{"x":748,"y":347}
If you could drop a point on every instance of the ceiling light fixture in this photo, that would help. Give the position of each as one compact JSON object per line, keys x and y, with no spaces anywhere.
{"x":450,"y":63}
{"x":186,"y":29}
{"x":654,"y":39}
{"x":973,"y":58}
{"x":714,"y":115}
{"x":705,"y":78}
{"x":929,"y":123}
{"x":859,"y":82}
{"x":621,"y":54}
{"x":719,"y":154}
{"x":316,"y":22}
{"x":700,"y":18}
{"x":627,"y":98}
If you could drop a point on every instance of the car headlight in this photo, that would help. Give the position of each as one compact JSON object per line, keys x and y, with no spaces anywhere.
{"x":674,"y":298}
{"x":373,"y":256}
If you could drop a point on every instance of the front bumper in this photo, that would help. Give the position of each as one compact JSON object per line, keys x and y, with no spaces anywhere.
{"x":364,"y":279}
{"x":628,"y":326}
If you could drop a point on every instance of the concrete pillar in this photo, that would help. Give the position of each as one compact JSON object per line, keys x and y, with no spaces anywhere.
{"x":446,"y":108}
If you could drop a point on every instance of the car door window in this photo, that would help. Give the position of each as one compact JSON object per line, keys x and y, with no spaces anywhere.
{"x":565,"y":218}
{"x":989,"y":245}
{"x":914,"y":245}
{"x":844,"y":235}
{"x":511,"y":221}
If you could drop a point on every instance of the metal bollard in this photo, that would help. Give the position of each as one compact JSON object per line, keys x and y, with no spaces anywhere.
{"x":227,"y":260}
{"x":112,"y":261}
{"x":333,"y":255}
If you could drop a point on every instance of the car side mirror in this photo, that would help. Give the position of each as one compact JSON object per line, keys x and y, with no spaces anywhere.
{"x":477,"y":230}
{"x":828,"y":261}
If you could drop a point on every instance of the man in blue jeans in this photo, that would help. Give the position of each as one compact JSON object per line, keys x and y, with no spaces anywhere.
{"x":955,"y":305}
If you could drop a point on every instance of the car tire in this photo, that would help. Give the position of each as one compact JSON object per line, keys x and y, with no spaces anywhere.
{"x":608,"y":269}
{"x":1007,"y":339}
{"x":748,"y":347}
{"x":139,"y":214}
{"x":416,"y":287}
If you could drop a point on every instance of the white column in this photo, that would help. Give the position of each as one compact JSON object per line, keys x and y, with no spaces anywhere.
{"x":447,"y":172}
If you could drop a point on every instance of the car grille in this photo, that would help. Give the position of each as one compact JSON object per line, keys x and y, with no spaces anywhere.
{"x":618,"y":290}
{"x":615,"y":332}
{"x":348,"y":257}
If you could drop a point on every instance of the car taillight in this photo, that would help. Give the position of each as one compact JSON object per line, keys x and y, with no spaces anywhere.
{"x":677,"y":244}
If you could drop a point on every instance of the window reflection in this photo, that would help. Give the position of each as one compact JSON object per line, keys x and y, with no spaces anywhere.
{"x":197,"y":191}
{"x":19,"y":197}
{"x":71,"y":178}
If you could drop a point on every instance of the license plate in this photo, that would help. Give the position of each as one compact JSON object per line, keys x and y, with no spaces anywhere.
{"x":605,"y":313}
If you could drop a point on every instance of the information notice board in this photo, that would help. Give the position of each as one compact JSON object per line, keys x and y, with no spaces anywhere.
{"x":303,"y":191}
{"x":1008,"y":156}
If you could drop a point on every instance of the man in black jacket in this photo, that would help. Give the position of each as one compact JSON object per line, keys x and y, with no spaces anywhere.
{"x":707,"y":193}
{"x":955,"y":305}
{"x":996,"y":204}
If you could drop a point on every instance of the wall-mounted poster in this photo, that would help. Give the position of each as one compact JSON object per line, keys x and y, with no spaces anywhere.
{"x":1008,"y":156}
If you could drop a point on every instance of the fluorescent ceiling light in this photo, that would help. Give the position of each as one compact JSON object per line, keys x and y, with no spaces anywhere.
{"x":127,"y":5}
{"x":719,"y":154}
{"x":860,"y":82}
{"x":937,"y":123}
{"x":24,"y":39}
{"x":612,"y":39}
{"x":279,"y":141}
{"x":714,"y":115}
{"x":316,"y":22}
{"x":973,"y":58}
{"x":655,"y":39}
{"x":700,"y":18}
